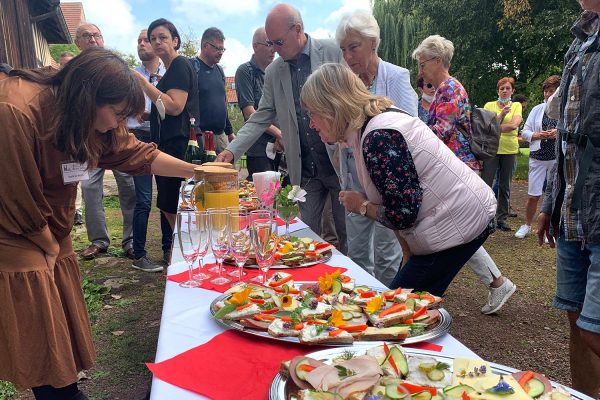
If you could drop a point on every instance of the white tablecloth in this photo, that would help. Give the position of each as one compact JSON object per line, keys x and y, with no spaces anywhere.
{"x":186,"y":321}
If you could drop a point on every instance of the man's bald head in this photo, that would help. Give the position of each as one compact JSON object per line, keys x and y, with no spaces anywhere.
{"x":285,"y":30}
{"x":263,"y":51}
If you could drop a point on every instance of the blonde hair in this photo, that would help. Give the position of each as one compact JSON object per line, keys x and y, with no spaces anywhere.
{"x":435,"y":46}
{"x":336,"y":94}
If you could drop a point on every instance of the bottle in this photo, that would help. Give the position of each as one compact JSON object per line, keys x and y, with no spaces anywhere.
{"x":193,"y":152}
{"x":210,"y":154}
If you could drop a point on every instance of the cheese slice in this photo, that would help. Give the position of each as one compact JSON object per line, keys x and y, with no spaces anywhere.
{"x":483,"y":382}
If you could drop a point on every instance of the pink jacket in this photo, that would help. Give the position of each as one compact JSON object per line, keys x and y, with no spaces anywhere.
{"x":457,"y":205}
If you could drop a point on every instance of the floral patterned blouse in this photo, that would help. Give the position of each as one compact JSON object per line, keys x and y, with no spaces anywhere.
{"x":451,"y":108}
{"x":393,"y":172}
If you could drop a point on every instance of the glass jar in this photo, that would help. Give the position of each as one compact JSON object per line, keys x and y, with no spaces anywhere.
{"x":219,"y":188}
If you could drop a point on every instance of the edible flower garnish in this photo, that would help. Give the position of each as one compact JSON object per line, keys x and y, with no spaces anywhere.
{"x":326,"y":282}
{"x":286,"y":300}
{"x":374,"y":304}
{"x":240,"y":298}
{"x":336,"y":318}
{"x":502,"y":388}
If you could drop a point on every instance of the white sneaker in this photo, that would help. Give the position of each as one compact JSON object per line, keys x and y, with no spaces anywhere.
{"x":523,"y":231}
{"x":498,"y":296}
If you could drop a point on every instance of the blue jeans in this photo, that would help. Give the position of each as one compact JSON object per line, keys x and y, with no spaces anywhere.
{"x":578,"y":281}
{"x":434,"y":272}
{"x":143,"y":204}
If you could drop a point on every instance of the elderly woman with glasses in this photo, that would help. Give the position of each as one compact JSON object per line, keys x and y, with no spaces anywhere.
{"x":449,"y":117}
{"x":413,"y":183}
{"x":370,"y":244}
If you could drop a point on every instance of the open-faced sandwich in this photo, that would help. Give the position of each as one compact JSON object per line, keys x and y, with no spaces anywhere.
{"x":332,"y":310}
{"x":386,"y":372}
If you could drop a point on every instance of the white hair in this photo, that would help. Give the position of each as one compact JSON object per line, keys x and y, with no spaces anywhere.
{"x":362,"y":22}
{"x":435,"y":46}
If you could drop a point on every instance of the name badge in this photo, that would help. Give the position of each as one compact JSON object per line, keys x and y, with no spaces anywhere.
{"x":73,"y":172}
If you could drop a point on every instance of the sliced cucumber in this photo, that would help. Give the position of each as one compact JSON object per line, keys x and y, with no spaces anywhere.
{"x":392,"y":392}
{"x":336,"y":287}
{"x":424,"y":395}
{"x":437,"y":397}
{"x":421,"y":318}
{"x":301,"y":374}
{"x":364,"y":288}
{"x":534,"y":387}
{"x":378,"y":390}
{"x":347,"y":315}
{"x":356,"y":314}
{"x":316,"y":395}
{"x":559,"y":396}
{"x":410,"y":304}
{"x":399,"y":359}
{"x":427,"y":366}
{"x":455,"y":392}
{"x":436,"y":375}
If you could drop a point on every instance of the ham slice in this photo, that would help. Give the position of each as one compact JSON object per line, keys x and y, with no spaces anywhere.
{"x":365,"y":373}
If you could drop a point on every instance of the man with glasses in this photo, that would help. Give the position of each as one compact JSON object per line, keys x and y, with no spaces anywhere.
{"x":308,"y":161}
{"x":87,"y":36}
{"x":249,"y":82}
{"x":211,"y":88}
{"x":152,"y":68}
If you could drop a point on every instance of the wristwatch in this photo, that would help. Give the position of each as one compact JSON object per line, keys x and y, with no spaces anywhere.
{"x":363,"y":207}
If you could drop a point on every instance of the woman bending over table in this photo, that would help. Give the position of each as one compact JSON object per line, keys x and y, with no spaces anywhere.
{"x":56,"y":126}
{"x":397,"y":156}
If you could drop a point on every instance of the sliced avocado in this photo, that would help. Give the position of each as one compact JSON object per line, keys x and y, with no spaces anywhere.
{"x":535,"y":387}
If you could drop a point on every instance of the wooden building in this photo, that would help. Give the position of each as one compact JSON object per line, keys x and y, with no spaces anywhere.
{"x":27,"y":28}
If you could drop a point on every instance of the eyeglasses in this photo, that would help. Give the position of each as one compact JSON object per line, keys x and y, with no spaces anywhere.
{"x":280,"y":42}
{"x":265,"y":44}
{"x":88,"y":36}
{"x":219,"y":49}
{"x":422,"y":64}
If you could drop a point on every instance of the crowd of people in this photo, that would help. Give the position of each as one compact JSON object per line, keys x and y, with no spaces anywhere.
{"x":408,"y":199}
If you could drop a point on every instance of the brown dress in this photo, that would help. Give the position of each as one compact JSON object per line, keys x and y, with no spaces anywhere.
{"x":45,"y":335}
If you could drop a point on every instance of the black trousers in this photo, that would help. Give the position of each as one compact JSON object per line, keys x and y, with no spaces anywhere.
{"x":258,"y":164}
{"x":48,"y":392}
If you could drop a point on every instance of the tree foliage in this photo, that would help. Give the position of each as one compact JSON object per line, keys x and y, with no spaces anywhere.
{"x":57,"y":49}
{"x":525,"y":39}
{"x":189,"y":45}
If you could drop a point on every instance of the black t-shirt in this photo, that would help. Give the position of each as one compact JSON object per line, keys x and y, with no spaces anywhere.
{"x":249,"y":82}
{"x":547,"y":150}
{"x":174,"y":130}
{"x":212,"y":97}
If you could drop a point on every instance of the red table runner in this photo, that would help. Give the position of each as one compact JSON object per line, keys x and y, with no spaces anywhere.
{"x":300,"y":274}
{"x":229,"y":366}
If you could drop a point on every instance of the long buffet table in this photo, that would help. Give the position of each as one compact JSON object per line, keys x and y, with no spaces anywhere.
{"x":186,"y":321}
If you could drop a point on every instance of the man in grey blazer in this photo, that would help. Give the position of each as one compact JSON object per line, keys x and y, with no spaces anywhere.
{"x":307,"y":158}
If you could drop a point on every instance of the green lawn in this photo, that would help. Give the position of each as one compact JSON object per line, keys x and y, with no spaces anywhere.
{"x":522,"y":164}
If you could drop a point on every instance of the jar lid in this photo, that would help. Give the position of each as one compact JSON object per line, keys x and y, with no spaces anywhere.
{"x":214,"y":171}
{"x":218,"y":164}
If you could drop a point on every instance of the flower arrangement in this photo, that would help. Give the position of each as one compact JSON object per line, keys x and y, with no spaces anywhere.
{"x":289,"y":196}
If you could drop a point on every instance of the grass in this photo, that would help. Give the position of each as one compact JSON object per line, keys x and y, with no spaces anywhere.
{"x":522,"y":164}
{"x":7,"y":390}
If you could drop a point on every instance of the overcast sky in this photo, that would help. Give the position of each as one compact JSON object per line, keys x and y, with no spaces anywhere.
{"x":121,"y":20}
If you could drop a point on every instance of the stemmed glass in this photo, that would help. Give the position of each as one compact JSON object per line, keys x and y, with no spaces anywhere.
{"x":202,"y":244}
{"x":287,"y":214}
{"x":219,"y":225}
{"x":264,"y":241}
{"x":187,"y":234}
{"x":239,"y":239}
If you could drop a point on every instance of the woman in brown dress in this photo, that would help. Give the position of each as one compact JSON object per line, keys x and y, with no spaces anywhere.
{"x":53,"y":124}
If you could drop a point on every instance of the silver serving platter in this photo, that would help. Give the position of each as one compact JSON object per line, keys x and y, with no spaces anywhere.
{"x":279,"y":389}
{"x":440,"y":329}
{"x":326,"y":257}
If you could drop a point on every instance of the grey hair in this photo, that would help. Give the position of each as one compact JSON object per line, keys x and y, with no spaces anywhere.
{"x":362,"y":22}
{"x":83,"y":25}
{"x":435,"y":46}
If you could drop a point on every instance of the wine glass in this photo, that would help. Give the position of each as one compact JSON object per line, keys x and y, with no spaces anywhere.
{"x":239,"y":239}
{"x":264,"y":241}
{"x":188,"y":236}
{"x":202,"y":243}
{"x":219,"y":225}
{"x":287,"y":213}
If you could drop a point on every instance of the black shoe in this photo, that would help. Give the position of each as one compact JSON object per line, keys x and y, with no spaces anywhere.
{"x":78,"y":218}
{"x":503,"y":226}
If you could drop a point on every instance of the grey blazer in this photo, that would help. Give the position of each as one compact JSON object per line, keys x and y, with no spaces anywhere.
{"x":277,"y":104}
